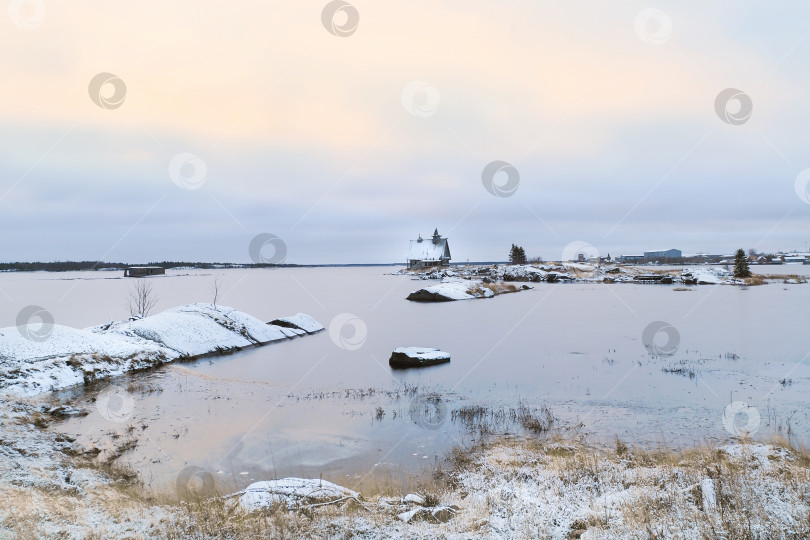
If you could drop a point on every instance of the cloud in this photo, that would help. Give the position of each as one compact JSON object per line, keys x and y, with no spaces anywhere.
{"x":304,"y":134}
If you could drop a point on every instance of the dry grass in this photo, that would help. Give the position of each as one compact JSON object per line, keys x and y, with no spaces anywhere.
{"x":564,"y":488}
{"x":755,"y":280}
{"x":532,"y":487}
{"x":673,"y":273}
{"x":498,"y":287}
{"x":501,"y":287}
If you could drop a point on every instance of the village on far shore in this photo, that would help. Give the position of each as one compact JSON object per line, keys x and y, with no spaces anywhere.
{"x":435,"y":251}
{"x":430,"y":259}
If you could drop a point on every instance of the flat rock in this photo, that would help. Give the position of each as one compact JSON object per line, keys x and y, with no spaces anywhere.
{"x":417,"y":357}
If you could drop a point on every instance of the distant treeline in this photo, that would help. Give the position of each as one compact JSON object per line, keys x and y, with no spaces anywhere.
{"x":78,"y":266}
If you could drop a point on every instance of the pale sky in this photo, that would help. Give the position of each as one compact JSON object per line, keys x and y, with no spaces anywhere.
{"x":347,"y":146}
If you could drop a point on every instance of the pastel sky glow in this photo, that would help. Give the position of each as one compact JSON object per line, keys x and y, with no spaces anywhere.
{"x":606,"y":111}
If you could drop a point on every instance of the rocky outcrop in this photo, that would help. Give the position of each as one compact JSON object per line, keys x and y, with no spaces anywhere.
{"x":62,"y":356}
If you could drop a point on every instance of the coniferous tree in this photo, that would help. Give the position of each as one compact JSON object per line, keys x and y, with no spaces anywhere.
{"x":741,"y":269}
{"x":517,"y":255}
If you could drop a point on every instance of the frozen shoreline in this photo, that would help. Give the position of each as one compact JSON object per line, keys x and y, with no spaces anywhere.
{"x":513,"y":488}
{"x":69,"y":356}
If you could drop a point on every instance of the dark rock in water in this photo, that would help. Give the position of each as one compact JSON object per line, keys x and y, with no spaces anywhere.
{"x":404,"y":357}
{"x":555,"y":277}
{"x":423,"y":295}
{"x":667,"y":280}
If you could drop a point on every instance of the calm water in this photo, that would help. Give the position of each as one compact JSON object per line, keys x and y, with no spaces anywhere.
{"x":311,"y":406}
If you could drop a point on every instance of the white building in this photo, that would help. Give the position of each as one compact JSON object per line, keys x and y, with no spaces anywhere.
{"x":431,"y":252}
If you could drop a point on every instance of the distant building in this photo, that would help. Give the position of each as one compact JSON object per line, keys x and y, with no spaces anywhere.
{"x":141,"y":271}
{"x":663,"y":254}
{"x":431,"y":252}
{"x":631,"y":258}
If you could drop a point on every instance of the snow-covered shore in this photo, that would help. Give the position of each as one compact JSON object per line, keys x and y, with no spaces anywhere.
{"x":452,"y":278}
{"x":70,"y":356}
{"x":514,"y":488}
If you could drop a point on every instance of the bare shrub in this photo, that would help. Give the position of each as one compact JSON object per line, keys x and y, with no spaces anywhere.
{"x":142,"y":298}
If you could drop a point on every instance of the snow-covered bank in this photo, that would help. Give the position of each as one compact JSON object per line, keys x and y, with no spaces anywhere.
{"x":69,"y":356}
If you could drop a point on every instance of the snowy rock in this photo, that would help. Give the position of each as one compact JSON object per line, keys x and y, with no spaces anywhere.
{"x":69,"y":356}
{"x":300,"y":321}
{"x":413,"y":498}
{"x":521,"y":272}
{"x":466,"y":289}
{"x":197,"y":329}
{"x":291,"y":332}
{"x":445,"y":292}
{"x":436,"y":514}
{"x":293,"y":493}
{"x":705,"y":276}
{"x":554,"y":277}
{"x":417,"y":357}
